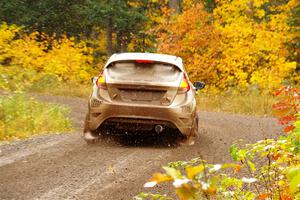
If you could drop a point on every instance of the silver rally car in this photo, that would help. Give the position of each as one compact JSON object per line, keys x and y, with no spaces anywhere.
{"x":142,"y":91}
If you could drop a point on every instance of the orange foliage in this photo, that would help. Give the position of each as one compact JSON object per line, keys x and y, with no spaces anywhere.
{"x":238,"y":46}
{"x":192,"y":36}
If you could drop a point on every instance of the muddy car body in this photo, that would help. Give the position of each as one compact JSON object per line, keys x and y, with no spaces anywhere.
{"x":142,"y":91}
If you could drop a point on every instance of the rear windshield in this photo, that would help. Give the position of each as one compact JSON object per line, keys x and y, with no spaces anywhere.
{"x":131,"y":71}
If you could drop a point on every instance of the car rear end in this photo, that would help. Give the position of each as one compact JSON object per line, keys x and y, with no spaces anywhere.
{"x":142,"y":94}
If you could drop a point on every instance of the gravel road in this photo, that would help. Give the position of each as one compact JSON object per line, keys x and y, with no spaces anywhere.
{"x":65,"y":167}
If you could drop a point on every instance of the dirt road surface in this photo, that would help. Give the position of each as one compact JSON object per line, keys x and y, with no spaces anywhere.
{"x":65,"y":167}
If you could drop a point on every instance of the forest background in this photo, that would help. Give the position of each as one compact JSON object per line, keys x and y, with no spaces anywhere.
{"x":233,"y":46}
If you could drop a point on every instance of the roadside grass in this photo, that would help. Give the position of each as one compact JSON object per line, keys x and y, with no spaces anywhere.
{"x":49,"y":84}
{"x":251,"y":103}
{"x":21,"y":117}
{"x":63,"y":89}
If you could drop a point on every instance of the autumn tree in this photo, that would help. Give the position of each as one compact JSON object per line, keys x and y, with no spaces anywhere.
{"x":255,"y":34}
{"x":241,"y":45}
{"x":294,"y":46}
{"x":191,"y":36}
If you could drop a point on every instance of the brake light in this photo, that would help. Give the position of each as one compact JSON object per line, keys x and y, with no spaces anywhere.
{"x":144,"y":61}
{"x":184,"y":86}
{"x":101,"y":82}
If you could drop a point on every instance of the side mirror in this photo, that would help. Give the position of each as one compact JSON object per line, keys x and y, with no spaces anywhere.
{"x":94,"y":79}
{"x":199,"y":85}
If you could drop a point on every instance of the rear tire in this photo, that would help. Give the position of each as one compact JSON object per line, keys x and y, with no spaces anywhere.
{"x":89,"y":136}
{"x":195,"y":129}
{"x":190,"y":139}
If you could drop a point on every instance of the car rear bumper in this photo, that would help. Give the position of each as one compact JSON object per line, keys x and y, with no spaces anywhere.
{"x":180,"y":116}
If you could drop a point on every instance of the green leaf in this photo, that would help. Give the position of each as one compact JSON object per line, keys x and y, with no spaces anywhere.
{"x":241,"y":154}
{"x":293,"y":175}
{"x":174,"y":173}
{"x":251,"y":165}
{"x":234,"y":152}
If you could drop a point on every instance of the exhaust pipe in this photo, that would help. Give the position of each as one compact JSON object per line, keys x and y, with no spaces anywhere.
{"x":159,"y":128}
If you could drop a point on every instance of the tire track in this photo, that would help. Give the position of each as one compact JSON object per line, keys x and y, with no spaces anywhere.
{"x":23,"y":153}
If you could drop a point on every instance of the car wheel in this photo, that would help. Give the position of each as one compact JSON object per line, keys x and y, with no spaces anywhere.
{"x":190,"y":139}
{"x":89,"y":136}
{"x":195,"y":129}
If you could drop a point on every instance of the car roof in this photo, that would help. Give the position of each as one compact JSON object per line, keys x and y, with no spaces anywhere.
{"x":174,"y":60}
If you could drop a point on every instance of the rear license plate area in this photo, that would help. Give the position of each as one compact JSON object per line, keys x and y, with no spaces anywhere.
{"x":136,"y":95}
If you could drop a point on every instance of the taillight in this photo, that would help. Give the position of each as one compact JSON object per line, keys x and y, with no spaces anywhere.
{"x":184,"y":85}
{"x":101,"y":82}
{"x":144,"y":61}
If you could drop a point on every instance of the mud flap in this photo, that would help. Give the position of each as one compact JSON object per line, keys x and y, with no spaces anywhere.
{"x":87,"y":135}
{"x":190,"y":139}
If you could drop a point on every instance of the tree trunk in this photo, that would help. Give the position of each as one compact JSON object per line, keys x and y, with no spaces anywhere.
{"x":109,"y":37}
{"x":174,"y":5}
{"x":122,"y":42}
{"x":125,"y":41}
{"x":210,"y":5}
{"x":118,"y":46}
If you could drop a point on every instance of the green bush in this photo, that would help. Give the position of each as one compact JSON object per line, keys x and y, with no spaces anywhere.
{"x":21,"y":117}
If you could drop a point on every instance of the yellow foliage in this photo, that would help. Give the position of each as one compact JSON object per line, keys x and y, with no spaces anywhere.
{"x":69,"y":60}
{"x":64,"y":58}
{"x":239,"y":45}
